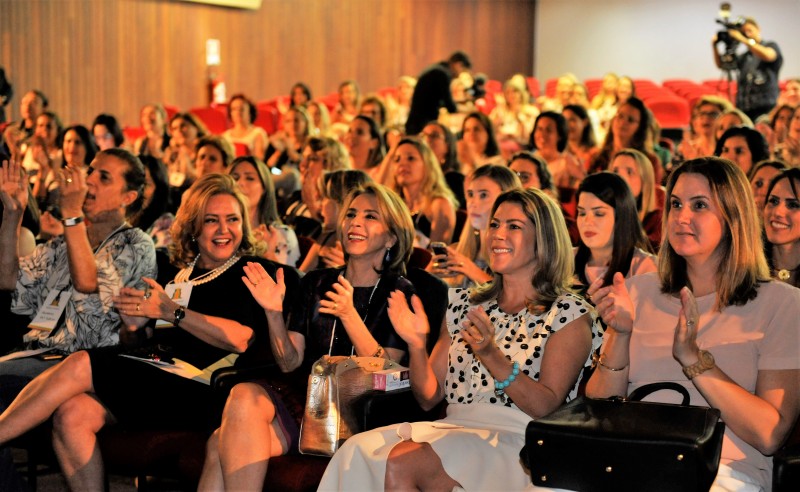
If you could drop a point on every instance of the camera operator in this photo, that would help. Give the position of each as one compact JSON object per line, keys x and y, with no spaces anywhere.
{"x":758,"y":68}
{"x":433,"y":91}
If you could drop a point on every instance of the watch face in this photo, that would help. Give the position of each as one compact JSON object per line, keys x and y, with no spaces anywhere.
{"x":706,"y":358}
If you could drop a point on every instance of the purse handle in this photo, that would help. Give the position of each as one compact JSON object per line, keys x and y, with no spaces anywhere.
{"x":647,"y":389}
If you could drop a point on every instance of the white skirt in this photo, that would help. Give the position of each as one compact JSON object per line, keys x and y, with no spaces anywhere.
{"x":478,"y":444}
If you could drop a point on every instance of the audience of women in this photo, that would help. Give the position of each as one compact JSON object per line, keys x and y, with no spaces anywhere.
{"x":247,"y":138}
{"x":782,"y":226}
{"x":744,"y":146}
{"x":711,"y":319}
{"x":334,"y":188}
{"x":612,"y":238}
{"x":465,"y":263}
{"x":478,"y":145}
{"x":339,"y":311}
{"x":637,"y":170}
{"x":419,"y":180}
{"x":508,"y":351}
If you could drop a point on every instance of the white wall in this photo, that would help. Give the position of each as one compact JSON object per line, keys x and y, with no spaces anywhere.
{"x":656,"y":39}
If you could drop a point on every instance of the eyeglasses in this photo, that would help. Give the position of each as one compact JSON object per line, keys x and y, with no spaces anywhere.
{"x":708,"y":114}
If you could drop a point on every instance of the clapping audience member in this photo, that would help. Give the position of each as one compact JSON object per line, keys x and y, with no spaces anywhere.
{"x":509,"y":350}
{"x":106,"y":132}
{"x":782,"y":226}
{"x":478,"y":145}
{"x":155,"y":141}
{"x":744,"y":146}
{"x":711,"y":319}
{"x":244,"y":136}
{"x":339,"y":311}
{"x":419,"y":180}
{"x":465,"y":263}
{"x":637,"y":170}
{"x":612,"y":238}
{"x":778,"y":127}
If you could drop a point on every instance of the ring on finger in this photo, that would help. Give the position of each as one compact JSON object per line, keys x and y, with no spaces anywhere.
{"x":69,"y":180}
{"x":480,"y":340}
{"x":147,"y":294}
{"x":138,"y":307}
{"x":335,"y":306}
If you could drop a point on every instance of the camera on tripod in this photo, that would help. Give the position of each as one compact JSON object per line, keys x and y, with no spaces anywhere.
{"x":728,"y":58}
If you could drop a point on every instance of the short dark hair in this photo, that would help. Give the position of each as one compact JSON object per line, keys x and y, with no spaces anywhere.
{"x":561,"y":129}
{"x":759,"y":149}
{"x":460,"y":57}
{"x":86,"y":138}
{"x":134,"y":175}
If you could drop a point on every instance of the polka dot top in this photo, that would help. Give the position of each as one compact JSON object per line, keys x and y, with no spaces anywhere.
{"x":522,"y":337}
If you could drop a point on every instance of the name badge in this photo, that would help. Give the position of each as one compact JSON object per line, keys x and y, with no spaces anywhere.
{"x":179,"y":293}
{"x":50,"y":312}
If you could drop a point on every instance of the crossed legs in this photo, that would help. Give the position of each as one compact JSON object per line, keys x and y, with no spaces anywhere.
{"x":416,"y":466}
{"x":238,"y":452}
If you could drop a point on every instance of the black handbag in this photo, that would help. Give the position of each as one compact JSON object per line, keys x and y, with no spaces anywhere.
{"x":625,"y":444}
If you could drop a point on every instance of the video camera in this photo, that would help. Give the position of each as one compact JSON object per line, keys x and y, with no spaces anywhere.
{"x":728,"y":58}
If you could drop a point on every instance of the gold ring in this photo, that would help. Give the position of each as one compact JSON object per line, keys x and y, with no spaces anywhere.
{"x":480,"y":340}
{"x":146,"y":295}
{"x":335,"y":306}
{"x":138,"y":307}
{"x":69,"y":180}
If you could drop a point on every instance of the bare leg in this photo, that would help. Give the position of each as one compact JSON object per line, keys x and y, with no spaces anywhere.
{"x":211,"y":479}
{"x":248,"y":437}
{"x":75,"y":427}
{"x":40,"y":398}
{"x":416,"y":466}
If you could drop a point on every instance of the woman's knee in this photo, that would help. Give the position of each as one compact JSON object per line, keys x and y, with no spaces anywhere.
{"x":405,"y":454}
{"x":248,"y":401}
{"x":81,"y":412}
{"x":79,"y":367}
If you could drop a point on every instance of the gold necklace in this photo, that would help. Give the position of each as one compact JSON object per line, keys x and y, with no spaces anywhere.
{"x":184,"y":274}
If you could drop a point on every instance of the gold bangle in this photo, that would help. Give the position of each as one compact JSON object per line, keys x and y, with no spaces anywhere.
{"x":601,"y":362}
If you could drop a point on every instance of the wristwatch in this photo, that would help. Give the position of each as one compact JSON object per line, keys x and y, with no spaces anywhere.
{"x":705,"y":362}
{"x":751,"y":42}
{"x":72,"y":221}
{"x":179,"y":314}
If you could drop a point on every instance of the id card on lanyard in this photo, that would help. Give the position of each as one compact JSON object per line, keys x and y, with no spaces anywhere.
{"x":179,"y":292}
{"x":53,"y":307}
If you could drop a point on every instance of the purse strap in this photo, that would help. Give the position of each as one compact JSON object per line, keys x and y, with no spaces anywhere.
{"x":639,"y":393}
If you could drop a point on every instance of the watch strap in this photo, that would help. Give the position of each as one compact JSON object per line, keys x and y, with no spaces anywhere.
{"x":179,"y":314}
{"x":704,"y":363}
{"x":72,"y":221}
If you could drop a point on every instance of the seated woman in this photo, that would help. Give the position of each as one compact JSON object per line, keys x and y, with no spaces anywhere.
{"x":509,"y":350}
{"x":777,"y":128}
{"x":326,"y":252}
{"x":254,"y":181}
{"x":341,"y":311}
{"x":710,"y":319}
{"x":478,"y":145}
{"x":466,"y":262}
{"x":245,"y":137}
{"x":185,"y":131}
{"x":514,"y":116}
{"x":155,"y":218}
{"x":214,"y":154}
{"x":760,"y":178}
{"x":637,"y":170}
{"x":43,"y":156}
{"x":399,"y":104}
{"x":155,"y":141}
{"x":106,"y":132}
{"x":365,"y":144}
{"x":612,"y":238}
{"x":782,"y":226}
{"x":605,"y":103}
{"x":284,"y":152}
{"x":90,"y":389}
{"x":549,"y":141}
{"x":700,"y":139}
{"x":581,"y":139}
{"x":349,"y":102}
{"x":730,"y":118}
{"x":444,"y":146}
{"x":744,"y":146}
{"x":419,"y":180}
{"x":299,"y":96}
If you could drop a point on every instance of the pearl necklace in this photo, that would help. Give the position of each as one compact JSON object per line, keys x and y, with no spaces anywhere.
{"x":184,"y":274}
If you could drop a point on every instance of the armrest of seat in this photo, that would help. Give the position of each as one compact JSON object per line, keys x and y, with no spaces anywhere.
{"x":786,"y":469}
{"x":225,"y":378}
{"x":380,"y":408}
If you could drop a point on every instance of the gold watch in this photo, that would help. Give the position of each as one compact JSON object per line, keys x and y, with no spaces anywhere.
{"x":705,"y":362}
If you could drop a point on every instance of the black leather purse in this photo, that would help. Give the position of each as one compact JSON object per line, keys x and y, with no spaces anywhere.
{"x":625,"y":444}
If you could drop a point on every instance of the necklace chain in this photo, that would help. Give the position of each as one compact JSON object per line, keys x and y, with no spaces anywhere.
{"x":184,"y":274}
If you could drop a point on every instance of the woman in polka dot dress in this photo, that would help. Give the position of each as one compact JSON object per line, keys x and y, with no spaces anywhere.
{"x":489,"y":363}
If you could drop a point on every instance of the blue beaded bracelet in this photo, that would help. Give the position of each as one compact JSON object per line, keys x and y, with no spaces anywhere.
{"x":500,"y":386}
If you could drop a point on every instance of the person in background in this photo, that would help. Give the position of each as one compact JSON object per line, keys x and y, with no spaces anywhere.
{"x":762,"y":175}
{"x":106,"y":132}
{"x":374,"y":107}
{"x":155,"y":140}
{"x":758,"y":68}
{"x":432,"y":91}
{"x":399,"y":105}
{"x":365,"y":145}
{"x":637,"y":170}
{"x":730,"y":118}
{"x":6,"y":93}
{"x":349,"y":102}
{"x":44,"y":155}
{"x":478,"y":145}
{"x":782,"y":226}
{"x":791,"y":145}
{"x":744,"y":146}
{"x":790,"y":95}
{"x":626,"y":89}
{"x":155,"y":218}
{"x":581,"y":139}
{"x":321,"y":119}
{"x":710,"y":319}
{"x":546,"y":336}
{"x":15,"y":134}
{"x":213,"y":154}
{"x":700,"y":139}
{"x":246,"y":138}
{"x":605,"y":102}
{"x":185,"y":131}
{"x":444,"y":146}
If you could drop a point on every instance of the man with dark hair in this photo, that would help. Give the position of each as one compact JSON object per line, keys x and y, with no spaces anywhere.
{"x":758,"y":67}
{"x":433,"y":91}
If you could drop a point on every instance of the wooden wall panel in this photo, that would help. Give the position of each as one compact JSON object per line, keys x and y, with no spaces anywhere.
{"x":92,"y":56}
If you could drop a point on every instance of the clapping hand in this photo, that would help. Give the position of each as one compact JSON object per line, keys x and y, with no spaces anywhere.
{"x":268,"y":293}
{"x":73,"y":189}
{"x":339,"y":301}
{"x":413,"y":327}
{"x":13,"y":188}
{"x":613,"y":303}
{"x":684,"y":345}
{"x":478,"y":331}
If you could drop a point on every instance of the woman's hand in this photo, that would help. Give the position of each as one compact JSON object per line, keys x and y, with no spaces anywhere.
{"x":268,"y":294}
{"x":137,"y":306}
{"x":613,"y":303}
{"x":438,"y":266}
{"x":413,"y":327}
{"x":339,"y":301}
{"x":73,"y":189}
{"x":13,"y":188}
{"x":456,"y":262}
{"x":684,"y":345}
{"x":332,"y":256}
{"x":478,"y":332}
